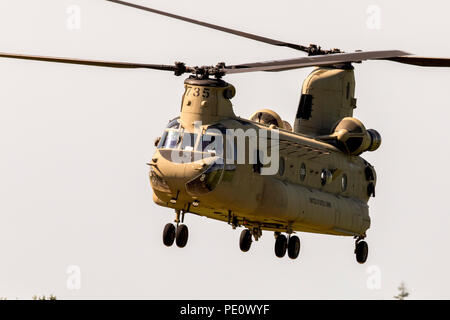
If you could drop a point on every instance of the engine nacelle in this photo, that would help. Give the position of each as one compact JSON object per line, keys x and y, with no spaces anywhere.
{"x":269,"y":117}
{"x":353,"y":138}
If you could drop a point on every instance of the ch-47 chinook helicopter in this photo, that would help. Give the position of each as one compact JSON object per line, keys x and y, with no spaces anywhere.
{"x":322,"y":184}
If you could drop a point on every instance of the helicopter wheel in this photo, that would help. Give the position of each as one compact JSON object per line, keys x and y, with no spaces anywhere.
{"x":169,"y":234}
{"x":361,"y":251}
{"x":280,"y":246}
{"x":293,"y":247}
{"x":182,"y":235}
{"x":245,"y":240}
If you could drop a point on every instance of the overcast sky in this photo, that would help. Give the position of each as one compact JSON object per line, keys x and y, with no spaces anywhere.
{"x":75,"y":199}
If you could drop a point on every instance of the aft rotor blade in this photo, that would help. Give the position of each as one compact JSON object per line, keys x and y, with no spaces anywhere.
{"x":216,"y":27}
{"x":312,"y":61}
{"x":123,"y":65}
{"x":423,"y":61}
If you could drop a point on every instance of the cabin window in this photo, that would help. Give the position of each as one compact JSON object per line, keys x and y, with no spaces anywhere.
{"x":302,"y":172}
{"x":323,"y":177}
{"x":326,"y":177}
{"x":281,"y":166}
{"x":344,"y":182}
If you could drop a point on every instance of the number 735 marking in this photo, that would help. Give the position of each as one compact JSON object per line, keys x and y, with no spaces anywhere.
{"x":196,"y":92}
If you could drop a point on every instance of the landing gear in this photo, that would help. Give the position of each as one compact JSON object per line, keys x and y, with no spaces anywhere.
{"x":280,"y":245}
{"x":361,"y":251}
{"x":182,"y":235}
{"x":283,"y":244}
{"x":169,"y":234}
{"x":245,"y":240}
{"x":293,"y":247}
{"x":178,"y":234}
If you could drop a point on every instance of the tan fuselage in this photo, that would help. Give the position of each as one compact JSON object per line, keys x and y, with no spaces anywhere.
{"x":320,"y":189}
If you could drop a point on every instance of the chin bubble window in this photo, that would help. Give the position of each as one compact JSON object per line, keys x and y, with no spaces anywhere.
{"x":207,"y":181}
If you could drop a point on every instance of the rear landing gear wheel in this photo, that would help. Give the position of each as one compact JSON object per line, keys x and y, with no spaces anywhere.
{"x":361,"y":251}
{"x":293,"y":247}
{"x":169,"y":234}
{"x":245,"y":240}
{"x":280,"y":246}
{"x":182,"y":235}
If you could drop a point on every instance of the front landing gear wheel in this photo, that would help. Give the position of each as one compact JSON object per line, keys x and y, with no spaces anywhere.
{"x":280,"y":246}
{"x":169,"y":234}
{"x":361,"y":251}
{"x":182,"y":235}
{"x":293,"y":247}
{"x":245,"y":240}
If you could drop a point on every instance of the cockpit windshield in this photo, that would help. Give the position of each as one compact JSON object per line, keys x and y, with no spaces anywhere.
{"x":170,"y":140}
{"x":212,"y":141}
{"x":188,"y":141}
{"x":171,"y":136}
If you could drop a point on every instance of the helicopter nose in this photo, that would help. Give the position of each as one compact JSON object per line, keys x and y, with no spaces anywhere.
{"x":176,"y":174}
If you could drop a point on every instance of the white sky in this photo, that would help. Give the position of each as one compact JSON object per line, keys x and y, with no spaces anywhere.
{"x":74,"y":142}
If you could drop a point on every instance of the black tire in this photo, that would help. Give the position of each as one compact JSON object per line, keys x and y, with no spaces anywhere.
{"x":182,"y":236}
{"x":169,"y":234}
{"x":293,"y":247}
{"x":245,"y":240}
{"x":361,"y":251}
{"x":280,"y":246}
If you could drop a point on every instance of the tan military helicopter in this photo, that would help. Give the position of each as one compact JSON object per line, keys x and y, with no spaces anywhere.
{"x":321,"y":185}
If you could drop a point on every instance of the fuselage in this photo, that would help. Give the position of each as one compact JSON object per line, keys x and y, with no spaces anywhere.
{"x":317,"y":188}
{"x":259,"y":175}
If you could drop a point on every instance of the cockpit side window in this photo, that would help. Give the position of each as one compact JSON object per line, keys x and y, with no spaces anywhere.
{"x":215,"y":142}
{"x":212,"y":141}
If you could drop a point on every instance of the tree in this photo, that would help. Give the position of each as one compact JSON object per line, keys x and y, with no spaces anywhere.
{"x":51,"y":297}
{"x":403,"y":292}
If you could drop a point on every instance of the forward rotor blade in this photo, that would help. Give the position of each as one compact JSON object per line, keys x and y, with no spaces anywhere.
{"x":123,"y":65}
{"x":313,"y":61}
{"x":216,"y":27}
{"x":423,"y":61}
